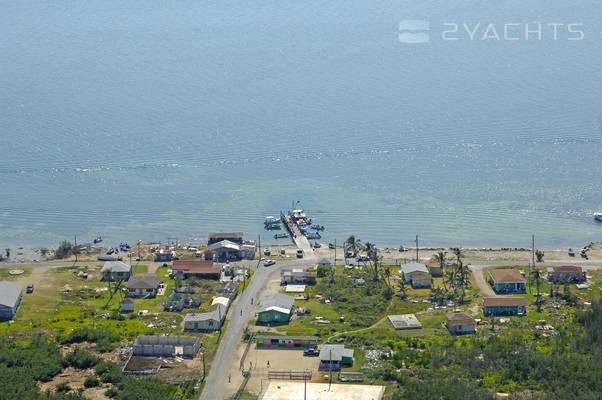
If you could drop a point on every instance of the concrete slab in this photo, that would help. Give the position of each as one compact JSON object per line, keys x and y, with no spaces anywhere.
{"x":290,"y":390}
{"x":404,"y":321}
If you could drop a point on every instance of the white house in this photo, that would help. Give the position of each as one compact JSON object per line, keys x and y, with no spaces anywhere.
{"x":10,"y":297}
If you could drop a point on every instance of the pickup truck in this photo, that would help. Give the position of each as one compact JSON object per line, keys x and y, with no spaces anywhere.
{"x":311,"y":352}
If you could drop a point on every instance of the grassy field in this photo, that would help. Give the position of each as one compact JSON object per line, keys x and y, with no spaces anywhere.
{"x":4,"y":273}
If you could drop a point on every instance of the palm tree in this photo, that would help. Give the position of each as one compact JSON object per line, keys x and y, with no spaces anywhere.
{"x":401,"y":283}
{"x":463,"y":279}
{"x":450,"y":279}
{"x":440,"y":258}
{"x":437,"y":295}
{"x":387,"y":273}
{"x":352,"y":244}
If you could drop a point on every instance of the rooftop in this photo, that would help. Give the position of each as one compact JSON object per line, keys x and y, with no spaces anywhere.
{"x":414,"y":267}
{"x":196,"y":267}
{"x":225,"y":235}
{"x":215,"y":312}
{"x":281,"y":337}
{"x":504,"y":301}
{"x":421,"y":276}
{"x":116,"y":266}
{"x":456,"y":319}
{"x":506,"y":276}
{"x":223,"y":244}
{"x":143,"y":281}
{"x":9,"y":293}
{"x":279,"y":302}
{"x":334,"y":352}
{"x":568,"y":268}
{"x":295,"y":288}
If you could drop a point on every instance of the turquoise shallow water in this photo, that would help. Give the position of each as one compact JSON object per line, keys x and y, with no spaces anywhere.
{"x":172,"y":119}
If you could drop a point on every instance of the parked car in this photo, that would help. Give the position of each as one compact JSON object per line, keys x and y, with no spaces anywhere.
{"x":311,"y":352}
{"x":331,"y":246}
{"x":363,"y":258}
{"x":30,"y":288}
{"x":299,"y":253}
{"x":266,"y":252}
{"x":267,"y":263}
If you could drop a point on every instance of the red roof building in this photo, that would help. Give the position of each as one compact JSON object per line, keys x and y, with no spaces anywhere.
{"x":203,"y":269}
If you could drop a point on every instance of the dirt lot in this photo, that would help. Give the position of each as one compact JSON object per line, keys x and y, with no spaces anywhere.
{"x":279,"y":360}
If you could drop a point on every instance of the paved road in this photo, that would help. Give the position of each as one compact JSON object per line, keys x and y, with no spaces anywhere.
{"x":218,"y":373}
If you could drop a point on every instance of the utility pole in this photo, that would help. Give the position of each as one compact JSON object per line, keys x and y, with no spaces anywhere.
{"x":305,"y":385}
{"x":330,"y":374}
{"x":532,"y":261}
{"x":75,"y":247}
{"x":259,"y":243}
{"x":416,"y":248}
{"x":204,"y":366}
{"x":335,"y":252}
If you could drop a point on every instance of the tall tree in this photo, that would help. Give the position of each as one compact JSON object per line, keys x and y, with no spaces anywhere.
{"x":463,"y":279}
{"x":440,"y":257}
{"x":352,"y":244}
{"x":402,"y":286}
{"x":437,"y":294}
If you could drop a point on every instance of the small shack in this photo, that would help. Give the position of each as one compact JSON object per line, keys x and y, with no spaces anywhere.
{"x":127,"y":305}
{"x":460,"y":323}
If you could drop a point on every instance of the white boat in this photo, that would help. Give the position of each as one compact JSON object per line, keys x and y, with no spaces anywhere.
{"x":598,"y":216}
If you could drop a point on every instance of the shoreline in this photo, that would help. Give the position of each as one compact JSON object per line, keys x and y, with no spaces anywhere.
{"x":25,"y":254}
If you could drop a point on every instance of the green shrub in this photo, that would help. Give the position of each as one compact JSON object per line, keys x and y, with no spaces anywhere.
{"x":81,"y":359}
{"x":91,"y":381}
{"x":63,"y":387}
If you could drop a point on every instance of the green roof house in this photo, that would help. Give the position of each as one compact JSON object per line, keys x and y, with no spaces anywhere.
{"x":275,"y":308}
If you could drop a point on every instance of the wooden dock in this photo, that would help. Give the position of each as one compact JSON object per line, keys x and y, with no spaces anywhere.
{"x":297,"y":236}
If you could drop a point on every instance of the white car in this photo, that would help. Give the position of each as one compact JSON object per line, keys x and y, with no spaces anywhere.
{"x":267,"y":263}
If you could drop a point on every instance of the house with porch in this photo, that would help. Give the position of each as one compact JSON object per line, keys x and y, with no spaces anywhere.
{"x":201,"y":269}
{"x":116,"y":271}
{"x":408,"y":270}
{"x":209,"y":321}
{"x":566,"y":274}
{"x":435,"y":269}
{"x":507,"y":281}
{"x":275,"y":308}
{"x":421,"y":280}
{"x":298,"y":276}
{"x":504,"y":306}
{"x":460,"y":323}
{"x":335,"y":357}
{"x":143,"y":285}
